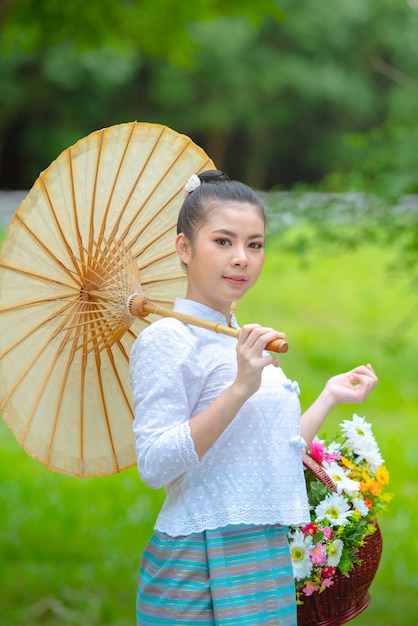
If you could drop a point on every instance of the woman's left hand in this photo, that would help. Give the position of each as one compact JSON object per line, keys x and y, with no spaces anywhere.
{"x":352,"y":387}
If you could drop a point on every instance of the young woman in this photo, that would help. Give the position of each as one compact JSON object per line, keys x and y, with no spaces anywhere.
{"x":218,"y":424}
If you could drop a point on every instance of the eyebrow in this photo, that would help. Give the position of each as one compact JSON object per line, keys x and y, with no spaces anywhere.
{"x":230,"y":233}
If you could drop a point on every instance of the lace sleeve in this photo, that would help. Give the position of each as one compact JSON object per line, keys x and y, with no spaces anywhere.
{"x":164,"y":387}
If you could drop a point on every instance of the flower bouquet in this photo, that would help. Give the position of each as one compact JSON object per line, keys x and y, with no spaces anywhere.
{"x":346,"y":481}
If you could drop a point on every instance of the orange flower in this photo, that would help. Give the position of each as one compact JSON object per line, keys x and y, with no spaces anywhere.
{"x":364,"y":486}
{"x":375,"y":489}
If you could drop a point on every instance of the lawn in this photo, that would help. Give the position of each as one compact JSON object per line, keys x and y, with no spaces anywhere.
{"x":70,"y":548}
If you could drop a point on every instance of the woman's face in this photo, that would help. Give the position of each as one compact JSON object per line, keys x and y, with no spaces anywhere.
{"x":226,"y":256}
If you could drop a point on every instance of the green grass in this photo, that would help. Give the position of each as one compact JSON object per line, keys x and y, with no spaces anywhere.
{"x":70,"y":548}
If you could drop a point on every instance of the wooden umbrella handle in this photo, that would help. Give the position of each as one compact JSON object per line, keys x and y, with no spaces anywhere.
{"x":139,"y":306}
{"x":277,"y":345}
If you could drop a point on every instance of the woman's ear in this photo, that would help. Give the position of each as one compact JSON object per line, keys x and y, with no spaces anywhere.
{"x":183,"y":248}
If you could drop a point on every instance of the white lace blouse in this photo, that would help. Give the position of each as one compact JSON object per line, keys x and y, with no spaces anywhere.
{"x":253,"y":474}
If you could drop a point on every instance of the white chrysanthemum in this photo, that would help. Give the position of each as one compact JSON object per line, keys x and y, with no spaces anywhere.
{"x":340,"y":477}
{"x":370,"y":453}
{"x":334,"y":508}
{"x":360,"y":439}
{"x":334,"y":448}
{"x":300,"y":546}
{"x":356,"y":430}
{"x":335,"y":550}
{"x":360,"y":506}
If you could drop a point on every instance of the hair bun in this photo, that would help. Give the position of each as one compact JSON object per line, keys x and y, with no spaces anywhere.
{"x":213,"y":176}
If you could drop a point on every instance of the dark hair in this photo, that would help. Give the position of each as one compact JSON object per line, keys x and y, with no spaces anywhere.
{"x":215,"y":186}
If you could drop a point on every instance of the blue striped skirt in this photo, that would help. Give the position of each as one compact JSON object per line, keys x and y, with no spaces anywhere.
{"x":228,"y":576}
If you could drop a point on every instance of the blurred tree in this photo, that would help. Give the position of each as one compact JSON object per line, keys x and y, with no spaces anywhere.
{"x":63,"y":65}
{"x":155,"y":27}
{"x":384,"y":158}
{"x":276,"y":97}
{"x":284,"y":105}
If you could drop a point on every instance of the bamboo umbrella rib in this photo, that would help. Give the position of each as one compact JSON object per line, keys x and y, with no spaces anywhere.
{"x":132,"y":337}
{"x":106,"y":340}
{"x":163,"y":232}
{"x":157,"y":213}
{"x":93,"y":198}
{"x":105,"y":412}
{"x":29,"y":364}
{"x":57,"y":411}
{"x":133,"y":187}
{"x":104,"y":268}
{"x":44,"y":323}
{"x":22,"y":375}
{"x":90,"y":308}
{"x":74,"y":202}
{"x":156,"y":259}
{"x":97,"y":340}
{"x":57,"y":225}
{"x":118,"y":378}
{"x":42,"y":385}
{"x":81,"y":412}
{"x":156,"y":185}
{"x":47,"y":251}
{"x":41,"y":277}
{"x":112,"y":191}
{"x":140,"y":231}
{"x":68,"y":297}
{"x":164,"y":279}
{"x":120,"y":256}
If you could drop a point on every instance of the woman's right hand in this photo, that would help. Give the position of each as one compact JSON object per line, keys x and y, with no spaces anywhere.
{"x":209,"y":424}
{"x":251,"y":361}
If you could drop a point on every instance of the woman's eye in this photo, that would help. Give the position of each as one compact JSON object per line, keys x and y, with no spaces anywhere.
{"x":256,"y":244}
{"x":222,"y":242}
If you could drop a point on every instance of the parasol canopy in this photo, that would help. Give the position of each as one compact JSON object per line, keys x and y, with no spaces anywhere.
{"x":98,"y":225}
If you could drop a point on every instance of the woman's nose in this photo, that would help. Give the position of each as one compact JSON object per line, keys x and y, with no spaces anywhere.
{"x":240,"y":257}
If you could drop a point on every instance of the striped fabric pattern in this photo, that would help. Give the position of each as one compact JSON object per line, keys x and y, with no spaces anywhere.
{"x":229,"y":576}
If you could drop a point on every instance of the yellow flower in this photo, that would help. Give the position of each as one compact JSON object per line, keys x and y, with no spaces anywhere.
{"x":347,"y":462}
{"x":382,"y":475}
{"x":365,"y":486}
{"x":385,"y":498}
{"x":366,"y":475}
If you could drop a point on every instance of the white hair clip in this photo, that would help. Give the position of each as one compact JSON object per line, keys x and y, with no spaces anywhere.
{"x":192,"y":184}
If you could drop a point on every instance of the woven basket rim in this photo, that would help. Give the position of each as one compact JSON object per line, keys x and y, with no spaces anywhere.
{"x":318,"y":471}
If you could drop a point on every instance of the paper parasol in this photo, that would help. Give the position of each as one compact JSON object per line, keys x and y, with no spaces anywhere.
{"x":98,"y":225}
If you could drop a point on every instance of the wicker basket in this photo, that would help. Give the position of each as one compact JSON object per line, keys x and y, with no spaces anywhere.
{"x":347,"y":597}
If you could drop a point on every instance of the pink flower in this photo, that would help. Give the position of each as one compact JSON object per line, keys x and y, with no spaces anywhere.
{"x":310,"y":588}
{"x":318,"y":452}
{"x":318,"y":555}
{"x":326,"y":582}
{"x":310,"y":529}
{"x":328,"y":533}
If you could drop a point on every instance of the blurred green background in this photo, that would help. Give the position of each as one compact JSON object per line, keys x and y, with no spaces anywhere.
{"x":313,"y":103}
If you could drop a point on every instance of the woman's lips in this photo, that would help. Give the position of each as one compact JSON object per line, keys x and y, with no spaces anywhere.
{"x":236,"y":280}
